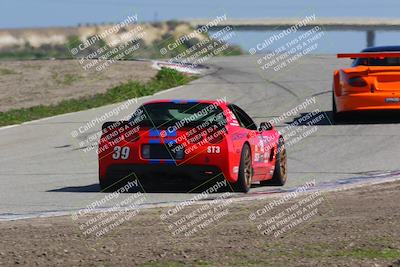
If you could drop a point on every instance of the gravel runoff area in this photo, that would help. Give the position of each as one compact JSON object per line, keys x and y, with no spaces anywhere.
{"x":30,"y":83}
{"x":354,"y":227}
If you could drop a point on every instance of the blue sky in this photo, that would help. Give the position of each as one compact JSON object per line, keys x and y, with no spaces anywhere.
{"x":45,"y":13}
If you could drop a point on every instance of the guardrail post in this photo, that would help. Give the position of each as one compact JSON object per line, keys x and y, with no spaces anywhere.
{"x":370,"y":38}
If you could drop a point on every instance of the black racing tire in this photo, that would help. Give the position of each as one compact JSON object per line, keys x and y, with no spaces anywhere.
{"x":114,"y":183}
{"x":279,"y":177}
{"x":106,"y":186}
{"x":245,"y":174}
{"x":110,"y":185}
{"x":338,"y":117}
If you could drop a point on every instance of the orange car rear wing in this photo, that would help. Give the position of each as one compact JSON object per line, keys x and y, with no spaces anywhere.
{"x":369,"y":55}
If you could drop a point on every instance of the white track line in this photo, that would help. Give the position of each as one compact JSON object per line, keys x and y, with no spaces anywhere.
{"x":243,"y":198}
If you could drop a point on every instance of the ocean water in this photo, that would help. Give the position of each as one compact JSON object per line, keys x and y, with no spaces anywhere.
{"x":331,"y":42}
{"x":47,"y":13}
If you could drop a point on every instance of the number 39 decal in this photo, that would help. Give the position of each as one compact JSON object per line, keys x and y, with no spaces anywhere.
{"x":121,"y":153}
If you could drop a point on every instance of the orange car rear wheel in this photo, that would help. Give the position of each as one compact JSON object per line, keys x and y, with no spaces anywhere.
{"x":337,"y":116}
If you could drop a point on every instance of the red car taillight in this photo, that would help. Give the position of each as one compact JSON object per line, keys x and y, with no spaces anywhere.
{"x":215,"y":140}
{"x":216,"y":136}
{"x":194,"y":139}
{"x":357,"y":82}
{"x":131,"y":137}
{"x":112,"y":136}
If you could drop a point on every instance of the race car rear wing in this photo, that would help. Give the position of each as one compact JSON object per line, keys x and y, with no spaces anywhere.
{"x":369,"y":55}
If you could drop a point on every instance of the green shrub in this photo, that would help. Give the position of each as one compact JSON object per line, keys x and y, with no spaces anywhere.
{"x":165,"y":78}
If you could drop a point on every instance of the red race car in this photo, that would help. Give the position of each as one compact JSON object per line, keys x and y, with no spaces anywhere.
{"x":192,"y":143}
{"x":371,"y":84}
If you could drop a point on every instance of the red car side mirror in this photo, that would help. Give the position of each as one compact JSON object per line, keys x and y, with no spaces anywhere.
{"x":265,"y":126}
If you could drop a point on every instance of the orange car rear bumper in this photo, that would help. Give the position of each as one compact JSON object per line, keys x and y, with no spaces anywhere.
{"x":368,"y":101}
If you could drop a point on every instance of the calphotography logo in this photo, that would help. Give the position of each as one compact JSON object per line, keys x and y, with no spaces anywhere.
{"x":110,"y":45}
{"x":210,"y":44}
{"x":99,"y":217}
{"x":88,"y":135}
{"x":281,"y":215}
{"x":289,"y":46}
{"x":195,"y":215}
{"x":276,"y":37}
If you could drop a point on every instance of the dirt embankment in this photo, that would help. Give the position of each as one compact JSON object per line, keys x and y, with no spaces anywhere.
{"x":43,"y":82}
{"x":53,"y":36}
{"x":358,"y":227}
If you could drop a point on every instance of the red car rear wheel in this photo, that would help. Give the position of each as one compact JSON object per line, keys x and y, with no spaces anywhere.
{"x":243,"y":183}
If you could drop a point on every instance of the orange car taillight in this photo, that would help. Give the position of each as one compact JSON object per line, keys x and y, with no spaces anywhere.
{"x":357,"y":82}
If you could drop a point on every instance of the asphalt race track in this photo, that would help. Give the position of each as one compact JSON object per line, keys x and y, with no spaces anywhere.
{"x":43,"y":169}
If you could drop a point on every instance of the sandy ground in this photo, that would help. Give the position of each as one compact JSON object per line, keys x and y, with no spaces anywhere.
{"x":44,"y":82}
{"x":356,"y":227}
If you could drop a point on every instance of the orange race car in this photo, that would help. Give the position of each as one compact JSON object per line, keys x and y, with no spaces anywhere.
{"x":372,"y":83}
